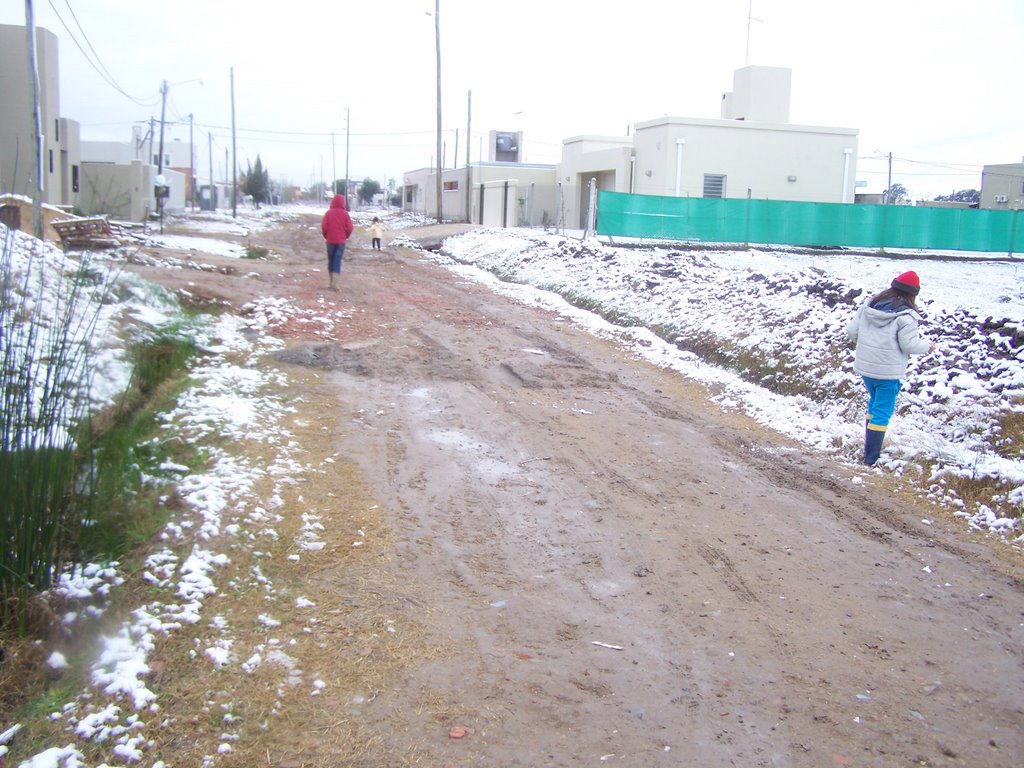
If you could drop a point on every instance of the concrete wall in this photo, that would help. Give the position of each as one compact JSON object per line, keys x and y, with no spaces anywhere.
{"x":772,"y":161}
{"x":121,"y":152}
{"x":126,"y":191}
{"x":70,"y":162}
{"x":530,"y":198}
{"x":760,"y":94}
{"x":608,"y":159}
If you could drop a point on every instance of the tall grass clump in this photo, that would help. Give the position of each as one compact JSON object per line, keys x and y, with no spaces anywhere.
{"x":47,"y":316}
{"x":124,"y":449}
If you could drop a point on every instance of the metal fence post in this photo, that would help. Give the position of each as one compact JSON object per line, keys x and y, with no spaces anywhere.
{"x":1013,"y":231}
{"x":591,"y":210}
{"x":559,"y":213}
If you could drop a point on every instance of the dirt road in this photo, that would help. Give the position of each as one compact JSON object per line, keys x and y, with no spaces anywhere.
{"x":604,"y":569}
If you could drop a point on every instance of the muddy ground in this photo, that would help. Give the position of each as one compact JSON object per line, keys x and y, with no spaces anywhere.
{"x":601,"y":567}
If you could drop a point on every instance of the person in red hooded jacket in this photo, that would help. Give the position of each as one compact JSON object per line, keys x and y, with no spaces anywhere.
{"x":336,"y":227}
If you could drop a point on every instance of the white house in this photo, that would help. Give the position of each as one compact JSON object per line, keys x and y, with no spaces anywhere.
{"x":752,"y":150}
{"x":689,"y":157}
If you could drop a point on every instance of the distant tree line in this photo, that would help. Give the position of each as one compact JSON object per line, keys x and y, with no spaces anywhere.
{"x":961,"y":196}
{"x":898,"y":192}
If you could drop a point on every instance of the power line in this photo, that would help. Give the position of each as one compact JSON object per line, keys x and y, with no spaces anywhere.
{"x":328,"y":134}
{"x":97,"y":65}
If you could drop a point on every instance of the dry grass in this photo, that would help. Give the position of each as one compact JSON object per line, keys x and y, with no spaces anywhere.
{"x":366,"y":628}
{"x":1011,"y":433}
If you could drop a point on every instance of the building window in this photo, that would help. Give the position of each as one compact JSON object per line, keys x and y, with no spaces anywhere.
{"x":51,"y":161}
{"x":408,"y":194}
{"x":74,"y":178}
{"x":451,"y":186}
{"x":165,"y":164}
{"x":56,"y":131}
{"x":714,"y":185}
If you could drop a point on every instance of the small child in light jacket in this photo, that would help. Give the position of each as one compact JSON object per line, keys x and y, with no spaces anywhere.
{"x":376,"y":232}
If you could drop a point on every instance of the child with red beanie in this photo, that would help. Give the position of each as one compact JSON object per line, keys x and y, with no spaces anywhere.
{"x":885,"y":330}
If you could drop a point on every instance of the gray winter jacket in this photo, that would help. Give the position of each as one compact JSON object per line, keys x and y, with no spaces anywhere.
{"x":885,"y":341}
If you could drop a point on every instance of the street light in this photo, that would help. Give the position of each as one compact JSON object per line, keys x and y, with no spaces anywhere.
{"x":161,"y":191}
{"x":437,"y":43}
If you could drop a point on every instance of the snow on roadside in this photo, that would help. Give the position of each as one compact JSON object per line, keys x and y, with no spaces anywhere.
{"x":790,"y":310}
{"x":124,"y":308}
{"x":228,"y":398}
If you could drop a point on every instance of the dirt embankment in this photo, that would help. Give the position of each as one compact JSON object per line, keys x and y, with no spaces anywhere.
{"x":578,"y":560}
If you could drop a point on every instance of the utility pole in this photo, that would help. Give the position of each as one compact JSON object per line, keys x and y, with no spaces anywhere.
{"x":469,"y":172}
{"x":191,"y":164}
{"x":334,"y":166}
{"x":347,"y":134}
{"x":160,"y":159}
{"x":234,"y":152}
{"x":163,"y":112}
{"x":213,"y":187}
{"x":437,"y":46}
{"x":30,"y":26}
{"x":888,"y":189}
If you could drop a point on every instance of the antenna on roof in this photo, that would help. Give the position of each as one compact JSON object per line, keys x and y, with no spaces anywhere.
{"x":750,"y":18}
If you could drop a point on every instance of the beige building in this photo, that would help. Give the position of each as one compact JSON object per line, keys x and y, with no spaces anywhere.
{"x":20,"y":171}
{"x":1002,"y":187}
{"x":119,"y":177}
{"x":92,"y":178}
{"x":495,"y":194}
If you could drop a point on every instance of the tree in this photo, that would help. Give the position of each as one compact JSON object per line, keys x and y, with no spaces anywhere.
{"x":895,"y":193}
{"x":256,"y":182}
{"x":961,"y":196}
{"x":368,"y":189}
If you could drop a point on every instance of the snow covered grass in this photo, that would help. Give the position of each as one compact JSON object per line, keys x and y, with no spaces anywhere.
{"x":50,"y":310}
{"x":765,"y":330}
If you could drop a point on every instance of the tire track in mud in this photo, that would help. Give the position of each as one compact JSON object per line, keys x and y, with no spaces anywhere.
{"x":753,"y":595}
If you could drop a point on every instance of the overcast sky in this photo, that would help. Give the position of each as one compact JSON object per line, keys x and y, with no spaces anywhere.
{"x":934,"y":82}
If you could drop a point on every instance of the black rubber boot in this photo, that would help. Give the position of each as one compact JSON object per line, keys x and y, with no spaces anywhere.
{"x":873,"y":438}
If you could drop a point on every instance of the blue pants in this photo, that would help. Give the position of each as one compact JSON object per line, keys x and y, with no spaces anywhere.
{"x":334,"y":253}
{"x":881,"y":401}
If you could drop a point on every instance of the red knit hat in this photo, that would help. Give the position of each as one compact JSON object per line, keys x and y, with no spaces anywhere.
{"x":908,"y":282}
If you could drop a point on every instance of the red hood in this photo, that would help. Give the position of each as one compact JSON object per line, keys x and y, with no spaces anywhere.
{"x":338,"y":202}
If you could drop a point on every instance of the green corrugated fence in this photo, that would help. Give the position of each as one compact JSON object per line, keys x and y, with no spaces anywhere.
{"x":782,"y":222}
